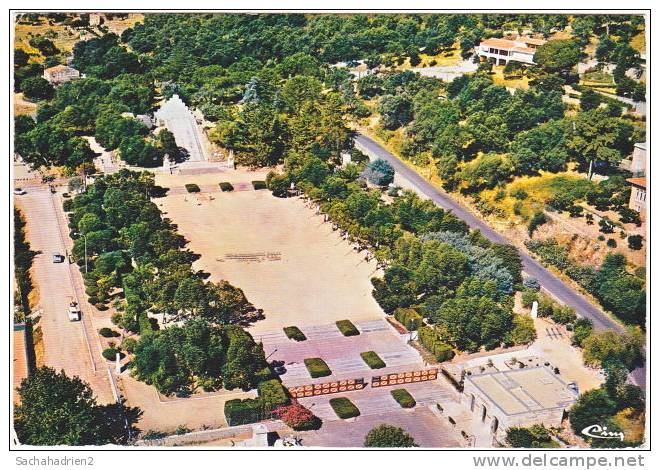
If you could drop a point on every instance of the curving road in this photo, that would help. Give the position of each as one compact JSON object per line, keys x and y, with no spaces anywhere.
{"x":551,"y":283}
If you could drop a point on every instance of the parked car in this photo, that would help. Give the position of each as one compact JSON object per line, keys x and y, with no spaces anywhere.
{"x":74,"y":311}
{"x":279,"y":370}
{"x":19,"y":191}
{"x":58,"y":258}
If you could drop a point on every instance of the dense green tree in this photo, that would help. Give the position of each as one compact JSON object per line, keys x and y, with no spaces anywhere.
{"x":558,"y":56}
{"x":37,"y":88}
{"x":58,"y":410}
{"x":598,"y":139}
{"x":385,"y":435}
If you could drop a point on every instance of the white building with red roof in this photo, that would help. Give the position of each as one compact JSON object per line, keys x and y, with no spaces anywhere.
{"x":502,"y":51}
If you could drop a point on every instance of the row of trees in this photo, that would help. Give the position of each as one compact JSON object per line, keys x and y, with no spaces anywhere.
{"x":199,"y":354}
{"x":136,"y":258}
{"x":23,"y":256}
{"x":130,"y":247}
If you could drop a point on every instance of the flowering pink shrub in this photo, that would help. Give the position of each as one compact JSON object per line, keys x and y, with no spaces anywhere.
{"x":298,"y":417}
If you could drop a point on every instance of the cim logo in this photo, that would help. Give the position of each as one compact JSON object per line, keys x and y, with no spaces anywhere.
{"x":600,"y":432}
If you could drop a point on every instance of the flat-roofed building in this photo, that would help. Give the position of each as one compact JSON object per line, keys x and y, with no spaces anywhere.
{"x":502,"y":51}
{"x":518,"y":397}
{"x":60,"y":74}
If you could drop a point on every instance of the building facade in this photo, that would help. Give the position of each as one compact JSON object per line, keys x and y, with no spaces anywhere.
{"x":503,"y":51}
{"x":517,"y":397}
{"x":638,"y":195}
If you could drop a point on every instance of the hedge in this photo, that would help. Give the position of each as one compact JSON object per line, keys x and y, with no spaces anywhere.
{"x":344,"y":408}
{"x":226,"y":187}
{"x":409,"y":318}
{"x":317,"y":367}
{"x":259,"y":185}
{"x":372,"y":359}
{"x":108,"y":333}
{"x":432,"y":342}
{"x":192,"y":188}
{"x":246,"y":411}
{"x":347,"y":328}
{"x":404,"y":398}
{"x":273,"y":394}
{"x":294,"y":333}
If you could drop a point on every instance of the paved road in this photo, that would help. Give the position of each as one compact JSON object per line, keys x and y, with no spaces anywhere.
{"x":68,"y":346}
{"x":551,"y":283}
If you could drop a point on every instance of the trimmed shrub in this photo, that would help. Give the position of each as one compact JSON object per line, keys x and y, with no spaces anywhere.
{"x":344,"y":408}
{"x":298,"y":417}
{"x":226,"y":187}
{"x":246,"y":411}
{"x":294,"y":333}
{"x":273,"y":394}
{"x":192,"y":188}
{"x":317,"y":367}
{"x":409,"y":318}
{"x":108,"y":332}
{"x":347,"y":328}
{"x":110,"y":354}
{"x":434,"y":344}
{"x":372,"y":359}
{"x":403,"y":398}
{"x":259,"y":185}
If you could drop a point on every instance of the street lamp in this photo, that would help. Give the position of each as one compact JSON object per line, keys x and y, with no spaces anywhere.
{"x":85,"y":240}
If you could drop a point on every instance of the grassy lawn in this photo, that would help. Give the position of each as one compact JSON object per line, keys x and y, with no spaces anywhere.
{"x":372,"y":359}
{"x":538,"y":189}
{"x":499,"y":79}
{"x":294,"y":333}
{"x":403,"y":398}
{"x":344,"y":408}
{"x":347,"y":328}
{"x":317,"y":367}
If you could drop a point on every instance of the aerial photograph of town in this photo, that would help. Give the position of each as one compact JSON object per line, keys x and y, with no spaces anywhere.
{"x":329,"y":230}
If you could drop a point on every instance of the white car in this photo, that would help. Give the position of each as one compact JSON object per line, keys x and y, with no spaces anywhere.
{"x":74,"y":311}
{"x":19,"y":191}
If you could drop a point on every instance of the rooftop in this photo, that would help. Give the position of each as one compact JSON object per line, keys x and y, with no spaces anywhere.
{"x":59,"y":68}
{"x":641,"y":182}
{"x":526,"y":390}
{"x":517,"y":45}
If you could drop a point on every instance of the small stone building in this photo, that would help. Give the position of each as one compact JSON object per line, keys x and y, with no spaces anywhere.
{"x":518,"y":397}
{"x":60,"y":74}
